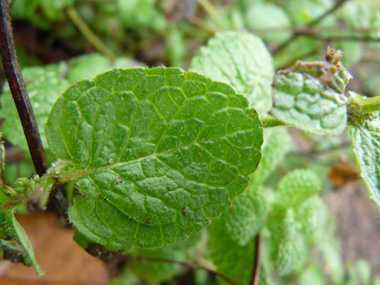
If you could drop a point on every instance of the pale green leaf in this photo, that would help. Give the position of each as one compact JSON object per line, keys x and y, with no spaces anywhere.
{"x":302,"y":101}
{"x":295,"y":188}
{"x":287,"y":241}
{"x":10,"y":226}
{"x":241,"y":60}
{"x":366,"y":146}
{"x":87,"y":66}
{"x":304,"y":12}
{"x":246,"y":217}
{"x":44,"y":85}
{"x":159,"y":152}
{"x":269,"y":21}
{"x":277,"y":142}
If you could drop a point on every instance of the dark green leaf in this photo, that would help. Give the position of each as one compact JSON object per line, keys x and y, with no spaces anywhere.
{"x":156,"y":154}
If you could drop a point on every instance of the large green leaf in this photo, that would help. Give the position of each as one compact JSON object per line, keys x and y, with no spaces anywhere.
{"x":366,"y":146}
{"x":241,"y":60}
{"x":10,"y":228}
{"x":156,"y":154}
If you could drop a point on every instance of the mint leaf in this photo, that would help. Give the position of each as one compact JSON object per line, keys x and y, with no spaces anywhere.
{"x":365,"y":140}
{"x":246,"y":217}
{"x":87,"y":66}
{"x":155,"y":269}
{"x":156,"y":154}
{"x":44,"y":85}
{"x":295,"y":188}
{"x":276,"y":144}
{"x":231,"y":259}
{"x":302,"y":101}
{"x":10,"y":228}
{"x":241,"y":60}
{"x":287,"y":241}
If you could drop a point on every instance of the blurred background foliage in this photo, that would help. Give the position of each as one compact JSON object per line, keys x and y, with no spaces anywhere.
{"x":78,"y":39}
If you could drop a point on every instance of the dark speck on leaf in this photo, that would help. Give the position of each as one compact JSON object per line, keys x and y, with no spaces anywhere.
{"x":118,"y":180}
{"x":185,"y":211}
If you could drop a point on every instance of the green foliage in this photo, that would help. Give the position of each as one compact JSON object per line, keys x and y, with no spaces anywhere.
{"x":161,"y":150}
{"x":295,"y":188}
{"x":155,"y":269}
{"x":365,"y":138}
{"x":10,"y":228}
{"x":269,"y":21}
{"x":241,"y":60}
{"x":310,"y":99}
{"x":230,"y":258}
{"x":44,"y":85}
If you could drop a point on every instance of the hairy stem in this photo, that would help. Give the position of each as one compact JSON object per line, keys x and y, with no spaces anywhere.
{"x":366,"y":105}
{"x":17,"y":86}
{"x":92,"y":38}
{"x":256,"y":265}
{"x":270,"y":122}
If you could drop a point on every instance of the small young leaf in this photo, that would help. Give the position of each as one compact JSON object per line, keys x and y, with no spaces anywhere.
{"x":365,"y":139}
{"x":302,"y":101}
{"x":276,"y":144}
{"x":157,"y":153}
{"x":246,"y":216}
{"x":44,"y":85}
{"x":287,"y":241}
{"x":10,"y":226}
{"x":295,"y":188}
{"x":241,"y":60}
{"x":231,"y":259}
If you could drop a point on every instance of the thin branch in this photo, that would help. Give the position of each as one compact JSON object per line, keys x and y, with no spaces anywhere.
{"x":183,"y":263}
{"x":256,"y":264}
{"x":90,"y":36}
{"x":209,"y":8}
{"x":17,"y":86}
{"x":312,"y":24}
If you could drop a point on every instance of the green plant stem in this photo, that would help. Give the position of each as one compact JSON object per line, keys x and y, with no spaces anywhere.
{"x":366,"y":105}
{"x":209,"y":8}
{"x":270,"y":122}
{"x":89,"y":34}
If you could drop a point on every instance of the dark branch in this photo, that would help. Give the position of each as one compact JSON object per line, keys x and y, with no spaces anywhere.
{"x":17,"y":86}
{"x":256,"y":264}
{"x":312,"y":24}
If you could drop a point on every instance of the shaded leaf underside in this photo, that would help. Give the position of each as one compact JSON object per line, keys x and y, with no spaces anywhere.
{"x":160,"y":152}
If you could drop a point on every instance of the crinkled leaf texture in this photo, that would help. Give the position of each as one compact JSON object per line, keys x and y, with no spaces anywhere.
{"x":366,"y":146}
{"x":10,"y":228}
{"x":156,"y":153}
{"x":302,"y":101}
{"x":248,"y":213}
{"x":241,"y":60}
